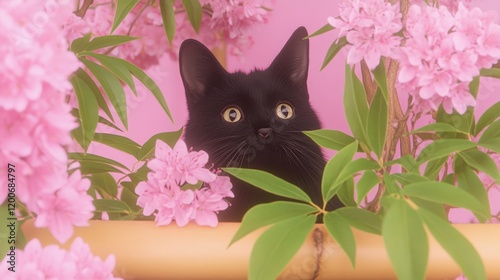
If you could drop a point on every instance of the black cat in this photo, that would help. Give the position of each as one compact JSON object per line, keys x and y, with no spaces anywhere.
{"x":254,"y":120}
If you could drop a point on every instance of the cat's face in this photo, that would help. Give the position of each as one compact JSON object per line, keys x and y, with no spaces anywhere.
{"x":249,"y":120}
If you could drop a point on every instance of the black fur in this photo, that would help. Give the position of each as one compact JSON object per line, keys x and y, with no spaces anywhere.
{"x":286,"y":152}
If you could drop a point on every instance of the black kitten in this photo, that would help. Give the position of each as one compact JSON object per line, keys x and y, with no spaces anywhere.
{"x":254,"y":120}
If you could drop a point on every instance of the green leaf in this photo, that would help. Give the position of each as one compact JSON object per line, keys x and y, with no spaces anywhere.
{"x":440,"y":148}
{"x":80,"y":44}
{"x":82,"y":74}
{"x":361,"y":219}
{"x":407,"y":161}
{"x":354,"y":167}
{"x":88,"y":111}
{"x":377,"y":123}
{"x":474,"y":86}
{"x":149,"y":84}
{"x":433,"y":167}
{"x":277,"y":246}
{"x":459,"y":248}
{"x":326,"y":28}
{"x":491,"y":137}
{"x":346,"y":193}
{"x":123,"y":8}
{"x":130,"y":198}
{"x":365,"y":185}
{"x":148,"y":148}
{"x":194,"y":12}
{"x":109,"y":41}
{"x":168,"y":16}
{"x":5,"y":247}
{"x":409,"y":178}
{"x":406,"y":241}
{"x":104,"y":183}
{"x":95,"y":158}
{"x":481,"y":161}
{"x":340,"y":230}
{"x":114,"y":65}
{"x":112,"y":206}
{"x":333,"y":169}
{"x":463,"y":122}
{"x":112,"y":88}
{"x":269,"y":183}
{"x":492,"y":72}
{"x":488,"y":117}
{"x":334,"y":48}
{"x":438,"y":127}
{"x":381,"y":78}
{"x":108,"y":123}
{"x":270,"y":213}
{"x":330,"y":139}
{"x":89,"y":167}
{"x":469,"y":181}
{"x":118,"y":142}
{"x":355,"y":105}
{"x":445,"y":193}
{"x":390,"y":184}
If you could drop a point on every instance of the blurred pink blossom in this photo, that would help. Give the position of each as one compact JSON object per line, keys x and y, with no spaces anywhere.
{"x":35,"y":119}
{"x":162,"y":195}
{"x":369,"y":26}
{"x":51,"y":262}
{"x":69,"y":206}
{"x":222,"y":20}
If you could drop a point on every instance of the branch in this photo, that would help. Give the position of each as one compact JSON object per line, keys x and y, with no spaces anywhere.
{"x":83,"y":9}
{"x":370,"y":86}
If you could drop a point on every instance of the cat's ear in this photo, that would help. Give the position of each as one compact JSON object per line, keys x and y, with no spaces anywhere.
{"x":292,"y":62}
{"x":199,"y":68}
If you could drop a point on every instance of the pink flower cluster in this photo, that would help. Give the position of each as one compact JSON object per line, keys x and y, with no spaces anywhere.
{"x":370,"y":27}
{"x":35,"y":120}
{"x":162,"y":193}
{"x":443,"y":53}
{"x":221,"y":20}
{"x":51,"y":262}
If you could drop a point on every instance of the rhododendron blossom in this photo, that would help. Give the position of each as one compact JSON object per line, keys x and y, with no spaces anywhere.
{"x":369,"y":26}
{"x":52,"y":262}
{"x":443,"y":53}
{"x":35,"y":119}
{"x":221,"y":20}
{"x":163,"y":196}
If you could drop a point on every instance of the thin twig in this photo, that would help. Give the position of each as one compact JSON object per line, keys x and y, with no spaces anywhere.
{"x":83,"y":9}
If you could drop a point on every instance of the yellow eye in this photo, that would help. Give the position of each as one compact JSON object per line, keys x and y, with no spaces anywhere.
{"x":231,"y":114}
{"x":284,"y":111}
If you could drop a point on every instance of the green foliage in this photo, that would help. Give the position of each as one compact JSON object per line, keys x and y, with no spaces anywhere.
{"x":355,"y":105}
{"x":194,"y":12}
{"x":326,"y":28}
{"x":277,"y":245}
{"x":88,"y":111}
{"x":333,"y":168}
{"x":377,"y":123}
{"x":269,"y":183}
{"x":168,"y":17}
{"x":333,"y":50}
{"x":123,"y":8}
{"x":406,"y":241}
{"x":340,"y":230}
{"x":330,"y":139}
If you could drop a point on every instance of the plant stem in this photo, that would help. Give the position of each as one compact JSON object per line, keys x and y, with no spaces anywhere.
{"x":83,"y":9}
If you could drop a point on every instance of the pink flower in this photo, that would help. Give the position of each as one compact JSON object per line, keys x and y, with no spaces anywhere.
{"x":162,"y":195}
{"x":369,"y":26}
{"x":177,"y":165}
{"x":51,"y":262}
{"x":69,"y":206}
{"x":89,"y":266}
{"x":443,"y":53}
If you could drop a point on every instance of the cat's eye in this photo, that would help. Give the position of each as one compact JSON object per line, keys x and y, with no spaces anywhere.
{"x":231,"y":114}
{"x":284,"y":111}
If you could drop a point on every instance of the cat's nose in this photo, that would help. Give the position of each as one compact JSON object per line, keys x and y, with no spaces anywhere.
{"x":265,"y":132}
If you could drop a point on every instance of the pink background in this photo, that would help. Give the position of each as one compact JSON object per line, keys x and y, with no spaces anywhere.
{"x":146,"y":118}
